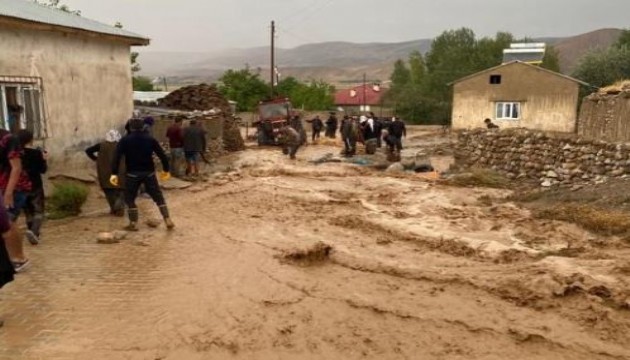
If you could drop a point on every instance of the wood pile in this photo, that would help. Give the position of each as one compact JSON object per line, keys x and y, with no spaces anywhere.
{"x":206,"y":97}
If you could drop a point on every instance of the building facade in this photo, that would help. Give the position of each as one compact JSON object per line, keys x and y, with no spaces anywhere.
{"x":515,"y":95}
{"x":66,"y":78}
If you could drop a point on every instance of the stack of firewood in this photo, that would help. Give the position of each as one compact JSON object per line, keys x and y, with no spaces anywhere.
{"x":206,"y":97}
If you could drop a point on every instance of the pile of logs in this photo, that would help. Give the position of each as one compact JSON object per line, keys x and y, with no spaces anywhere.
{"x":206,"y":97}
{"x":196,"y":97}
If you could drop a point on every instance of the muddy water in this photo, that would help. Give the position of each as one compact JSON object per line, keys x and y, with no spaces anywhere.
{"x":415,"y":270}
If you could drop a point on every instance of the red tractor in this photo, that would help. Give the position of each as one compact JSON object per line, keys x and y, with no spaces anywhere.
{"x":272,"y":116}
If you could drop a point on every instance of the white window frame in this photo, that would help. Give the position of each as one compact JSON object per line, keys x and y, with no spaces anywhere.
{"x":26,"y":86}
{"x":508,"y":110}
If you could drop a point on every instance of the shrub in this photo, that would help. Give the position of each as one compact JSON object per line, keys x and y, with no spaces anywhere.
{"x":67,"y":200}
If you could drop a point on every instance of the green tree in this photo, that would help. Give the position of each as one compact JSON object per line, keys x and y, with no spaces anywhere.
{"x":244,"y":87}
{"x":551,"y":60}
{"x":315,"y":95}
{"x":624,"y":39}
{"x":604,"y":67}
{"x":142,"y":83}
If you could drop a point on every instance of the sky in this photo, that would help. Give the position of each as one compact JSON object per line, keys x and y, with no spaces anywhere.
{"x":207,"y":25}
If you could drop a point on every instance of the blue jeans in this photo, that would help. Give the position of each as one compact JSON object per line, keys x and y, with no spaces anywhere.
{"x":19,"y":202}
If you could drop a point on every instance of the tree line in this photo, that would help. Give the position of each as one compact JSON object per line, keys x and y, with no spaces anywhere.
{"x":606,"y":66}
{"x":247,"y":88}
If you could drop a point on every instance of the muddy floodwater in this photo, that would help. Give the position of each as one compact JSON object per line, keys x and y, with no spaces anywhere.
{"x":281,"y":259}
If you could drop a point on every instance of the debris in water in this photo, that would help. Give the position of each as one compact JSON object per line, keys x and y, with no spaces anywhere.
{"x":314,"y":255}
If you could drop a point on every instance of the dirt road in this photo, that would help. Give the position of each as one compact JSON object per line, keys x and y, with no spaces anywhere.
{"x":404,"y":269}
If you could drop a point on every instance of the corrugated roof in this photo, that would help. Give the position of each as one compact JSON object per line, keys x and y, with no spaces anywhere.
{"x":33,"y":12}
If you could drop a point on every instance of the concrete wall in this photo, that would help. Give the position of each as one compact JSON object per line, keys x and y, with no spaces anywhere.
{"x":548,"y":102}
{"x":86,"y":85}
{"x":605,"y":117}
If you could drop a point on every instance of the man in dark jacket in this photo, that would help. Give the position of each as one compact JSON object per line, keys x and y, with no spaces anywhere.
{"x":103,"y":154}
{"x":396,"y":131}
{"x":138,"y":148}
{"x":332,"y":124}
{"x":317,"y":125}
{"x":194,"y":145}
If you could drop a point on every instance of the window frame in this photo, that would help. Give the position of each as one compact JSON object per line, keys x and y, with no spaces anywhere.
{"x":513,"y":106}
{"x":25,"y":86}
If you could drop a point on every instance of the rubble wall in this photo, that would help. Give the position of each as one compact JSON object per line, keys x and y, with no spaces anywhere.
{"x":550,"y":158}
{"x":605,"y":117}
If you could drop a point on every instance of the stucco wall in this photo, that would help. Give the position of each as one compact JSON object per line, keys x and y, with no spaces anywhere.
{"x":548,"y":102}
{"x":86,"y":85}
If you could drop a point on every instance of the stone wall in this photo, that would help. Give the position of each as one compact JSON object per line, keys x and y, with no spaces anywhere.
{"x":550,"y":159}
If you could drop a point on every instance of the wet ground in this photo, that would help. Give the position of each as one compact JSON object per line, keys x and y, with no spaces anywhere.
{"x":274,"y":259}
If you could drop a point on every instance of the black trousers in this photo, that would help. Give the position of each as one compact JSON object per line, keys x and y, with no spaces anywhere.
{"x":34,"y":210}
{"x":151,"y":186}
{"x":316,"y":133}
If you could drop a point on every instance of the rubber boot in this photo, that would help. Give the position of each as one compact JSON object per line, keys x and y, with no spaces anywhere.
{"x":133,"y":220}
{"x":167,"y":218}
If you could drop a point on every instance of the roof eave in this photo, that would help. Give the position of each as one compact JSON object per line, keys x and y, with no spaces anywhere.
{"x":131,"y":40}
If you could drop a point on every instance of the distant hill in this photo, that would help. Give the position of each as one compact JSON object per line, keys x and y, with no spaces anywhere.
{"x":335,"y":62}
{"x":573,"y":48}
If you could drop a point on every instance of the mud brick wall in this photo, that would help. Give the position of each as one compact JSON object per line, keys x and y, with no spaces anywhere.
{"x":551,"y":159}
{"x":605,"y":117}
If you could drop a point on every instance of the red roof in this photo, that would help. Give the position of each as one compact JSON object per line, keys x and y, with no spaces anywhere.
{"x":354,"y":96}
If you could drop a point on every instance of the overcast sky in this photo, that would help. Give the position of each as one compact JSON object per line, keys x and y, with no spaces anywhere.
{"x":204,"y":25}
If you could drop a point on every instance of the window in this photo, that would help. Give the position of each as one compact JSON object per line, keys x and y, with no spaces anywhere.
{"x":21,"y":105}
{"x":508,"y":110}
{"x":495,"y":79}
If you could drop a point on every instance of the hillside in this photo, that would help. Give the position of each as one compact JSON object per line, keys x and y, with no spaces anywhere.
{"x":335,"y":62}
{"x":573,"y":48}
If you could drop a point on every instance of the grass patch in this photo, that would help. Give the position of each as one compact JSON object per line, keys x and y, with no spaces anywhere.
{"x":592,"y":218}
{"x":67,"y":199}
{"x":480,"y":178}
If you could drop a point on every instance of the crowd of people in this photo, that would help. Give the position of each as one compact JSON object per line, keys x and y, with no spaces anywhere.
{"x":369,"y":130}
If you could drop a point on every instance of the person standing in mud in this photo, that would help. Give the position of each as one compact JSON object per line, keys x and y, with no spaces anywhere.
{"x":194,"y":145}
{"x":378,"y":129}
{"x":349,"y":134}
{"x":35,"y":165}
{"x":15,"y":186}
{"x":103,"y":154}
{"x":397,"y":130}
{"x":316,"y":125}
{"x":290,"y":141}
{"x":332,"y":124}
{"x":138,"y":149}
{"x":296,"y":123}
{"x":175,"y":135}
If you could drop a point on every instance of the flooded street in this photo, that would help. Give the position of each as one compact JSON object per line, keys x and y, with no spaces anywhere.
{"x":274,"y":259}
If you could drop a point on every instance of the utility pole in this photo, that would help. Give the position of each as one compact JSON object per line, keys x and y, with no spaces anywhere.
{"x":273,"y":57}
{"x":364,"y":92}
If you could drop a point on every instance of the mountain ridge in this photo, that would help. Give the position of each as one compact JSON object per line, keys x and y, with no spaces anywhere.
{"x":336,"y":61}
